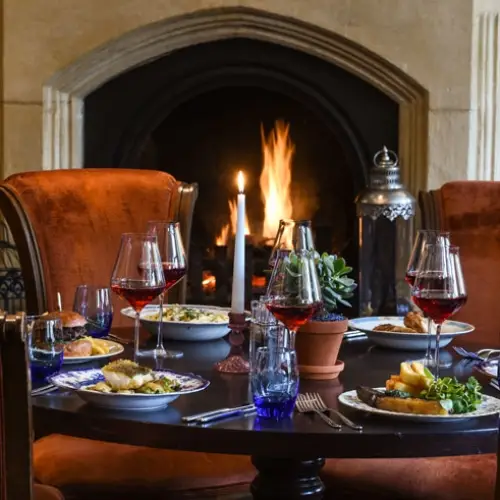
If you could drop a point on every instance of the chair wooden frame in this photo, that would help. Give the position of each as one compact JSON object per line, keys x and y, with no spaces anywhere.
{"x":24,"y":236}
{"x":16,"y":430}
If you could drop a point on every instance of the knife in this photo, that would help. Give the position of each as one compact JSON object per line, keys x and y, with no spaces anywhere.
{"x":220,"y":416}
{"x":221,"y":411}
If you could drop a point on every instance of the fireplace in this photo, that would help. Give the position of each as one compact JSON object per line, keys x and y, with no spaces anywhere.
{"x":302,"y":130}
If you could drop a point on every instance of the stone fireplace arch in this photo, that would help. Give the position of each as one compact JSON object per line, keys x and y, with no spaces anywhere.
{"x":64,"y":92}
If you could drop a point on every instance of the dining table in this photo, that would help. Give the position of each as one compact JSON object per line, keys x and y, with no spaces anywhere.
{"x":288,"y":455}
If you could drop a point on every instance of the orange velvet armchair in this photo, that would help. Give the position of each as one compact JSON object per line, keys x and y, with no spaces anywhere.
{"x":67,"y":224}
{"x":470,"y":210}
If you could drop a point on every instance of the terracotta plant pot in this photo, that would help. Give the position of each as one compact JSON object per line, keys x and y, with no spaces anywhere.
{"x":317,"y":344}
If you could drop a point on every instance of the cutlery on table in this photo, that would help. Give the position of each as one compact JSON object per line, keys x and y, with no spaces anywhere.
{"x":120,"y":340}
{"x":483,"y":355}
{"x":220,"y":413}
{"x":305,"y":405}
{"x":46,"y":389}
{"x":353,"y":335}
{"x":220,"y":416}
{"x":321,"y":406}
{"x":494,"y":384}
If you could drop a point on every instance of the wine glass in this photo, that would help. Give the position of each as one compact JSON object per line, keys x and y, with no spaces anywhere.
{"x":138,"y":274}
{"x":439,"y":288}
{"x":94,"y":304}
{"x":294,"y":294}
{"x":174,"y":266}
{"x":290,"y":233}
{"x":424,"y":237}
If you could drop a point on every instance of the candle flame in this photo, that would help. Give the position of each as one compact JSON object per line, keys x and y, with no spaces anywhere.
{"x":240,"y":181}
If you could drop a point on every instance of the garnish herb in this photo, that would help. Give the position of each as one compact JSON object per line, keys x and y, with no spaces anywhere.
{"x":453,"y":395}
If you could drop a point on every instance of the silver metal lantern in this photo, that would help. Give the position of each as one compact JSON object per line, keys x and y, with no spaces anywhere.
{"x":385,"y":213}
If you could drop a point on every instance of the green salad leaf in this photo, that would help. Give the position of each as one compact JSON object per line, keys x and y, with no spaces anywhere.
{"x":453,"y":395}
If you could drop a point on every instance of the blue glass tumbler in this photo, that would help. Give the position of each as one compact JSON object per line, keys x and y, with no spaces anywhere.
{"x":94,"y":304}
{"x":275,"y":382}
{"x":45,"y":345}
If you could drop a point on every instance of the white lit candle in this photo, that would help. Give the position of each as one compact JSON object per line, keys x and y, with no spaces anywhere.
{"x":238,"y":296}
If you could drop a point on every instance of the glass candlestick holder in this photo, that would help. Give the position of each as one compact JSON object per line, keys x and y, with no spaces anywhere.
{"x":235,"y":361}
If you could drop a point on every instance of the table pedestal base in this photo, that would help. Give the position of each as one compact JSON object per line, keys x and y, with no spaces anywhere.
{"x":287,"y":479}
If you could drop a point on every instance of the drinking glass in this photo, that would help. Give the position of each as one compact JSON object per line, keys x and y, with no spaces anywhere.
{"x":424,"y":237}
{"x":138,"y":274}
{"x":275,"y":382}
{"x":294,"y":294}
{"x":45,"y":346}
{"x":94,"y":304}
{"x":174,"y":264}
{"x":290,"y":234}
{"x":439,"y":288}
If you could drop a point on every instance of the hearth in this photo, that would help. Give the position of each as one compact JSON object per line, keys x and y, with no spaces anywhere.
{"x":302,"y":130}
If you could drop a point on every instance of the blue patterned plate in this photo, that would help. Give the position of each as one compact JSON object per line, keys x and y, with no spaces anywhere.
{"x":78,"y":381}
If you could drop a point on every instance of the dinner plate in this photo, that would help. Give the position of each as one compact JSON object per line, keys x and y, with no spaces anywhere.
{"x":77,"y":381}
{"x":488,"y":406}
{"x":114,"y":349}
{"x":194,"y":331}
{"x":406,"y":341}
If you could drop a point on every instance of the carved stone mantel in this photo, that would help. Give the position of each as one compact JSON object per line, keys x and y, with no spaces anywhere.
{"x":438,"y":58}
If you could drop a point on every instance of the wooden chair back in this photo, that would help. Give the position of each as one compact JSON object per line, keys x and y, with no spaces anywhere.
{"x":470,"y":210}
{"x":15,"y":415}
{"x":67,"y":225}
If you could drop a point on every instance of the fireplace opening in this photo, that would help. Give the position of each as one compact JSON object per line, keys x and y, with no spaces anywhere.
{"x":303,"y":132}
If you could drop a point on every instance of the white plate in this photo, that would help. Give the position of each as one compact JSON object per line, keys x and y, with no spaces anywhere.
{"x":181,"y":330}
{"x":406,"y":341}
{"x":77,"y":381}
{"x":488,"y":406}
{"x":114,"y":349}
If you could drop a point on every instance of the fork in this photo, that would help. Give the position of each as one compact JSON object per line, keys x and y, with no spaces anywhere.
{"x":305,"y":405}
{"x":321,"y":406}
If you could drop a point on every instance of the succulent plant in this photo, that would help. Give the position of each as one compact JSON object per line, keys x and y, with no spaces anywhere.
{"x":336,"y":286}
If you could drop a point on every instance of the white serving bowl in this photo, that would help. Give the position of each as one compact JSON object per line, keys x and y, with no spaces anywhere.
{"x":407,"y":341}
{"x":181,"y":330}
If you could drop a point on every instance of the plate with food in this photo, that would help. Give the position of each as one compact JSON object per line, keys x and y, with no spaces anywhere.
{"x":185,"y":322}
{"x":89,"y":349}
{"x":414,"y":394}
{"x":126,"y":385}
{"x":79,"y":347}
{"x":408,"y":333}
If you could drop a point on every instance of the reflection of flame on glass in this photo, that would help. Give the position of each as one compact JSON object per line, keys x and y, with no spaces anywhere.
{"x":276,"y":178}
{"x":223,"y":237}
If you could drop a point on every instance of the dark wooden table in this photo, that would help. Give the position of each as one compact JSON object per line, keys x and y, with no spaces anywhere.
{"x":288,"y":455}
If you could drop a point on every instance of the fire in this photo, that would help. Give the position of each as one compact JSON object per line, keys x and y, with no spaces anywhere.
{"x":223,"y":238}
{"x":276,"y":178}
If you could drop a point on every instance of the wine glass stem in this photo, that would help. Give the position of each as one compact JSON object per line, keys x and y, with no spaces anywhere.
{"x":428,"y":354}
{"x":159,"y":339}
{"x":137,"y":326}
{"x":436,"y":353}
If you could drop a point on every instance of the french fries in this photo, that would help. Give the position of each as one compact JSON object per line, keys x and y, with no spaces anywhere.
{"x":99,"y":347}
{"x":413,"y":378}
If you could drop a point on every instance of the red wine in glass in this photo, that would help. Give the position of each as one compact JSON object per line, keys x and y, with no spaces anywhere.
{"x":410,"y":278}
{"x":293,"y":317}
{"x":136,"y":292}
{"x":172,"y":274}
{"x":437,"y":307}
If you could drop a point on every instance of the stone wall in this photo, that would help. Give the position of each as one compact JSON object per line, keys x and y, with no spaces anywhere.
{"x":446,"y":46}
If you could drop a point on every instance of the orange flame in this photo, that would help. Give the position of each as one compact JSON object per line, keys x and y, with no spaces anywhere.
{"x":276,"y":178}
